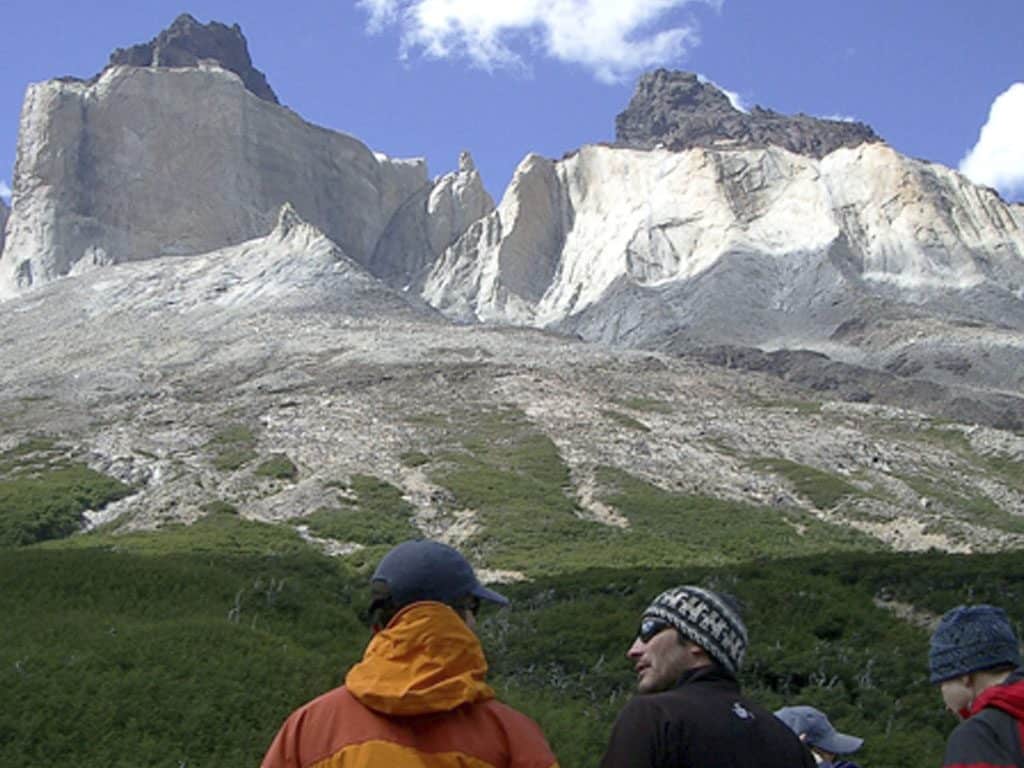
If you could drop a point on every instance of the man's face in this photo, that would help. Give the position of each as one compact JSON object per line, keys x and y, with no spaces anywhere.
{"x":659,"y":657}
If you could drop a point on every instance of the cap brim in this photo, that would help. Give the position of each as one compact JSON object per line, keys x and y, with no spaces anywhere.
{"x":490,"y":595}
{"x":840,"y":743}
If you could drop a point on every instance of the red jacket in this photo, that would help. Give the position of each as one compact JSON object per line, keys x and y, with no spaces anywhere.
{"x":993,"y":736}
{"x":417,"y":699}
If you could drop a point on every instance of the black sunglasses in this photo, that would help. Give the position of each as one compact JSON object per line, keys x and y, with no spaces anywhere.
{"x":650,"y":627}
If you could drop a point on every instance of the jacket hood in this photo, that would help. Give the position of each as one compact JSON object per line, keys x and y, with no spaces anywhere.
{"x":426,"y":660}
{"x":1009,"y":697}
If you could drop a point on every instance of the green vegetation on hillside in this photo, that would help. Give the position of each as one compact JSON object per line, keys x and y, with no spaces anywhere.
{"x":377,"y":515}
{"x":121,"y":659}
{"x":232,"y":448}
{"x":818,"y":636}
{"x":220,"y":532}
{"x":151,"y":656}
{"x":824,"y":489}
{"x":43,"y":493}
{"x":512,"y":475}
{"x":974,"y":508}
{"x":191,"y":643}
{"x":277,"y":466}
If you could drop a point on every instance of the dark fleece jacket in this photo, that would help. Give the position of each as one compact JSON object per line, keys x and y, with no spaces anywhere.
{"x":704,"y":722}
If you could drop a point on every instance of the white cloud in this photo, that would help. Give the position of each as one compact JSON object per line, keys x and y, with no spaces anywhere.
{"x":613,"y":39}
{"x":997,"y":160}
{"x":5,"y":191}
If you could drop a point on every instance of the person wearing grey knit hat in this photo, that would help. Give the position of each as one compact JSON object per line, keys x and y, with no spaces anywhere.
{"x":689,"y":709}
{"x":974,"y":657}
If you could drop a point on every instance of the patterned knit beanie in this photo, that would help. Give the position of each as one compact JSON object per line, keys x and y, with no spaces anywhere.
{"x":970,"y":639}
{"x":710,"y":620}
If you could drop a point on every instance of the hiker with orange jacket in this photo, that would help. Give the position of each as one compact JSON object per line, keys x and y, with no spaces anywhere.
{"x":974,"y":656}
{"x":418,"y":697}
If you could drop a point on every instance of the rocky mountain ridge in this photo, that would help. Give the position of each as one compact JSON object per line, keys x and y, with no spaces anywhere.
{"x":680,"y":110}
{"x":143,"y":367}
{"x":186,"y":42}
{"x":185,"y":260}
{"x":754,"y":248}
{"x":94,"y":160}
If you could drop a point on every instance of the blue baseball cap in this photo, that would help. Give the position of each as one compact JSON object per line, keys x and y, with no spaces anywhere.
{"x":429,"y":570}
{"x":816,"y":731}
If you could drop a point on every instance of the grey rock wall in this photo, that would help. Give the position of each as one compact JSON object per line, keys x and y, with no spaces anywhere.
{"x":429,"y":222}
{"x":762,"y":248}
{"x":152,"y":162}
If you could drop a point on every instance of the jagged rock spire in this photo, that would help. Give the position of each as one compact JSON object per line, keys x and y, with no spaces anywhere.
{"x":186,"y":42}
{"x":680,"y":110}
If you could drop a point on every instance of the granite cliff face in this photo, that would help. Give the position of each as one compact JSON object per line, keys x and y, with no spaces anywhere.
{"x":865,"y":255}
{"x":679,"y":110}
{"x":187,"y":42}
{"x":428,"y":223}
{"x":713,"y":227}
{"x":152,"y":162}
{"x":180,"y":147}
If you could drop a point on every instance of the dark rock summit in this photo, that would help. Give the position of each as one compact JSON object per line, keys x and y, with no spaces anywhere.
{"x":678,"y":110}
{"x":186,"y":42}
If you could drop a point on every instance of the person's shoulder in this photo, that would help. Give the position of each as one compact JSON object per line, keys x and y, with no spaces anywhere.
{"x":510,"y":715}
{"x":981,"y":723}
{"x":333,"y":699}
{"x":531,"y":745}
{"x":981,"y":736}
{"x":652,"y":706}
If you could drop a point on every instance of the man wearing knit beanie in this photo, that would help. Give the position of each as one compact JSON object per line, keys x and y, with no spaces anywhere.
{"x":689,"y":711}
{"x":974,"y":656}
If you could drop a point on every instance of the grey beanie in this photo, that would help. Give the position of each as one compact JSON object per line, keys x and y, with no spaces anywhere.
{"x":710,"y":620}
{"x":971,"y":638}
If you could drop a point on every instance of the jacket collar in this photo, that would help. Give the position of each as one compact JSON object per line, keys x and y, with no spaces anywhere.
{"x":1007,"y":696}
{"x":710,"y":673}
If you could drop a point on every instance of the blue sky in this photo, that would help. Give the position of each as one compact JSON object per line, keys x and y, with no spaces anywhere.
{"x":502,"y":78}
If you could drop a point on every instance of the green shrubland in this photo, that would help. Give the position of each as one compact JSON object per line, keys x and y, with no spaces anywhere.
{"x":170,"y":655}
{"x":823,"y":489}
{"x":43,"y":493}
{"x":512,"y":475}
{"x":277,"y":466}
{"x":377,"y":514}
{"x":189,"y":644}
{"x":232,"y":447}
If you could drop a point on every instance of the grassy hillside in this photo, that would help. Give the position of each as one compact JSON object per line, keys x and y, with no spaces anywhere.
{"x":188,"y":645}
{"x":162,"y":651}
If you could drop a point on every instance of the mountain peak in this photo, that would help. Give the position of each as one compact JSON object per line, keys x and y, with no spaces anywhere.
{"x":680,"y":110}
{"x":186,"y":42}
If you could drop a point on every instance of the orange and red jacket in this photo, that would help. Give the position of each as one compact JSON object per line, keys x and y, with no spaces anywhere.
{"x":417,"y":700}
